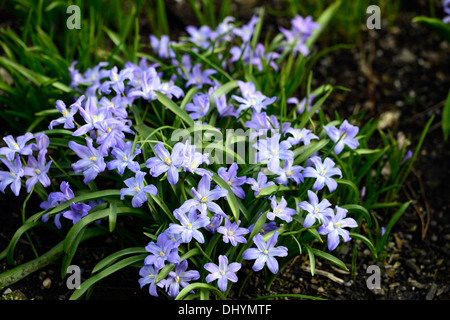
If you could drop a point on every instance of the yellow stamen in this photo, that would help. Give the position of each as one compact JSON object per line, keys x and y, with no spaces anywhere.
{"x":108,"y":129}
{"x":290,"y":172}
{"x":222,"y":272}
{"x":12,"y":174}
{"x":323,"y":172}
{"x":190,"y":225}
{"x":125,"y":158}
{"x":259,"y":189}
{"x":265,"y":251}
{"x":136,"y":188}
{"x":274,"y":151}
{"x":16,"y":146}
{"x":204,"y":199}
{"x":300,"y":136}
{"x":37,"y":171}
{"x":93,"y":158}
{"x":230,"y":233}
{"x":115,"y":78}
{"x":161,"y":253}
{"x":229,"y":182}
{"x":64,"y":112}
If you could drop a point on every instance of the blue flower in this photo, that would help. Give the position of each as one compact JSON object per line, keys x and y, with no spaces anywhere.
{"x":222,"y":272}
{"x":271,"y":150}
{"x":302,"y":106}
{"x":204,"y":197}
{"x":137,"y":189}
{"x":37,"y":170}
{"x":163,"y":250}
{"x":344,"y":136}
{"x":116,"y":106}
{"x":289,"y":172}
{"x":322,"y":173}
{"x":149,"y":275}
{"x":148,"y":84}
{"x":165,"y":162}
{"x":111,"y":133}
{"x":334,"y":228}
{"x":76,"y":212}
{"x":260,"y":183}
{"x":265,"y":252}
{"x":179,"y":277}
{"x":190,"y":159}
{"x":280,"y":210}
{"x":67,"y":115}
{"x":187,"y":229}
{"x":316,"y":211}
{"x":198,"y":77}
{"x":19,"y":147}
{"x":91,"y":163}
{"x":300,"y":135}
{"x":123,"y":158}
{"x":251,"y":98}
{"x":56,"y":198}
{"x":214,"y":224}
{"x":232,"y":232}
{"x":200,"y":36}
{"x":116,"y":81}
{"x":13,"y":177}
{"x":170,"y":90}
{"x":200,"y":106}
{"x":162,"y":46}
{"x":224,"y":109}
{"x":231,"y":178}
{"x":92,"y":115}
{"x":245,"y":32}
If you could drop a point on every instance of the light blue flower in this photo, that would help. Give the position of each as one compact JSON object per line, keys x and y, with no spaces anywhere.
{"x":137,"y":189}
{"x":265,"y":253}
{"x":223,"y":272}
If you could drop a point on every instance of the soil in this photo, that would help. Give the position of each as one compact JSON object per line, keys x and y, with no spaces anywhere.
{"x":398,"y":73}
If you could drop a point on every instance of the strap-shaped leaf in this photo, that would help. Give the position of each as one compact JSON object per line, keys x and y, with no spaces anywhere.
{"x":172,"y":106}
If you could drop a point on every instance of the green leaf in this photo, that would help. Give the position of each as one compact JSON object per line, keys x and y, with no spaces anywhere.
{"x":198,"y":285}
{"x":390,"y":224}
{"x":172,"y":106}
{"x":437,"y":24}
{"x":105,"y":262}
{"x":70,"y":243}
{"x":330,"y":258}
{"x":85,"y":198}
{"x":366,"y":241}
{"x":105,"y":273}
{"x":312,"y":260}
{"x":272,"y":190}
{"x":360,"y":209}
{"x":112,"y":215}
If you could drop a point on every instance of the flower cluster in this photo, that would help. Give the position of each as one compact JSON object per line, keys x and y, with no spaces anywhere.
{"x":102,"y":130}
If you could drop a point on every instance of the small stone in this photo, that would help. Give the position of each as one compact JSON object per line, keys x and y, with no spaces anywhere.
{"x":432,"y":292}
{"x":47,"y":283}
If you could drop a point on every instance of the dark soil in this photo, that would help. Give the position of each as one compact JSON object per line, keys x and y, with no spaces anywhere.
{"x":398,"y":73}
